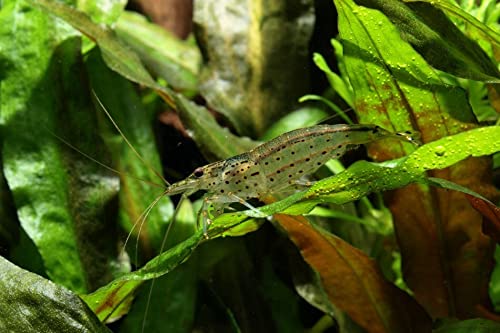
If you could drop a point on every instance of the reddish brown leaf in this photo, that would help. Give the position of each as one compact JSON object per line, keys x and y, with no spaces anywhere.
{"x":447,"y":260}
{"x":353,"y":281}
{"x":491,"y":216}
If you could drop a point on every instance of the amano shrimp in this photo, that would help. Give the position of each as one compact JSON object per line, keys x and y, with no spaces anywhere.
{"x":277,"y":164}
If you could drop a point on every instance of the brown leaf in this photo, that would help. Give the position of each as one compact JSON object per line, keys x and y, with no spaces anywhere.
{"x":447,"y":260}
{"x":491,"y":216}
{"x":353,"y":281}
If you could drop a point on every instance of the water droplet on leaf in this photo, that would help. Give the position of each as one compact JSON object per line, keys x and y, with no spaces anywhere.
{"x":440,"y":150}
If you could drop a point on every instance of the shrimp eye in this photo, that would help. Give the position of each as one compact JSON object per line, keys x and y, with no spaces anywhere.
{"x":376,"y":129}
{"x":198,"y":172}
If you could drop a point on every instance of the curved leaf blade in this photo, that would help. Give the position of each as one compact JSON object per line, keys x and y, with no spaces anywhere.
{"x":354,"y":283}
{"x":30,"y":303}
{"x":107,"y":301}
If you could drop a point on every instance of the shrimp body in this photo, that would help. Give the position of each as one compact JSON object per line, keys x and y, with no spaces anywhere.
{"x":278,"y":164}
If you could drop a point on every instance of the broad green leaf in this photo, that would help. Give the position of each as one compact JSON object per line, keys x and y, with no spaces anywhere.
{"x":437,"y":39}
{"x":396,"y":88}
{"x":60,"y":196}
{"x":212,"y":138}
{"x":165,"y":55}
{"x":30,"y":303}
{"x":256,"y":55}
{"x":116,"y":55}
{"x":470,"y":326}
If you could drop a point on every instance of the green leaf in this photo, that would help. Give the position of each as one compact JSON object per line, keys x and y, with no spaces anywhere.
{"x":30,"y":303}
{"x":336,"y":82}
{"x":116,"y":55}
{"x":256,"y":54}
{"x":208,"y":134}
{"x":106,"y":12}
{"x":438,"y":182}
{"x":303,"y":117}
{"x":165,"y":55}
{"x":106,"y":301}
{"x":338,"y":111}
{"x":454,"y":10}
{"x":396,"y":88}
{"x":437,"y":39}
{"x":171,"y":296}
{"x":60,"y":196}
{"x":470,"y":326}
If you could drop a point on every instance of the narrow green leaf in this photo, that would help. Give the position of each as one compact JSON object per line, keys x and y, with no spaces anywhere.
{"x":165,"y":55}
{"x":454,"y":186}
{"x":117,"y":56}
{"x":30,"y":303}
{"x":303,"y":117}
{"x":336,"y":82}
{"x":173,"y":295}
{"x":338,"y":111}
{"x":107,"y":300}
{"x":208,"y":134}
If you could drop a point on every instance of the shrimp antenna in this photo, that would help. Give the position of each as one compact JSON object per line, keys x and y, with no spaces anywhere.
{"x":102,"y":164}
{"x":127,"y":141}
{"x":338,"y":111}
{"x":162,"y":247}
